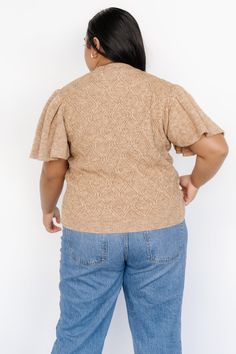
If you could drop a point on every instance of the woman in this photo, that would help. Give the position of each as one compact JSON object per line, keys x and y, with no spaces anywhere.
{"x":108,"y":133}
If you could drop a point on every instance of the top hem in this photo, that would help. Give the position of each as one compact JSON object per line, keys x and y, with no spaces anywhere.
{"x":119,"y":229}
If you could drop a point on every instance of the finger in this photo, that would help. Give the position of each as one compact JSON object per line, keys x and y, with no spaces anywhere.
{"x":51,"y":227}
{"x":58,"y":218}
{"x":186,"y":198}
{"x":57,"y":215}
{"x":55,"y":228}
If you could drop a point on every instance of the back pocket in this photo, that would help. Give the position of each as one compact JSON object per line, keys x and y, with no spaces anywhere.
{"x":84,"y":248}
{"x":166,"y":244}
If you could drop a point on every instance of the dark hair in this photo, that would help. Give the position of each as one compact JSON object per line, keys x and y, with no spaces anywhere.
{"x":119,"y":35}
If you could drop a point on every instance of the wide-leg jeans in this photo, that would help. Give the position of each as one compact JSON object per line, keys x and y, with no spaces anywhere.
{"x":149,"y":265}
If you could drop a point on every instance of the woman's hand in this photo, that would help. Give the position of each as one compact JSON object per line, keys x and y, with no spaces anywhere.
{"x":189,"y":190}
{"x":48,"y":220}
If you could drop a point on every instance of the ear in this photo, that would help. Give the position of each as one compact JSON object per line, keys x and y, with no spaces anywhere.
{"x":96,"y":42}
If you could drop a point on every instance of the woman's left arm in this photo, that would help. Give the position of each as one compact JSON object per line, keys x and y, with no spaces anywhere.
{"x":51,"y":184}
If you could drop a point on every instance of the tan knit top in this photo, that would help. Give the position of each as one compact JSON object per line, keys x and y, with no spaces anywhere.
{"x":115,"y":126}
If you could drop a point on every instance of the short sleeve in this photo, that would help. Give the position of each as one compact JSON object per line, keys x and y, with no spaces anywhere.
{"x":50,"y":139}
{"x":187,"y":121}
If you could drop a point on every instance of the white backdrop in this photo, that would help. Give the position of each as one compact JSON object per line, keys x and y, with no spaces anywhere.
{"x":188,"y":42}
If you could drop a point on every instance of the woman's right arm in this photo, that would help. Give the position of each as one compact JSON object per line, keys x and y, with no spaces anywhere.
{"x":211,"y":152}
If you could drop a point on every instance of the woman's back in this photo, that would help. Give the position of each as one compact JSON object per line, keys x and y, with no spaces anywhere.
{"x":115,"y":126}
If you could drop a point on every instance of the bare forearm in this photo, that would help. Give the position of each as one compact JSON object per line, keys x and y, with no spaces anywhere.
{"x":50,"y":190}
{"x":206,"y":168}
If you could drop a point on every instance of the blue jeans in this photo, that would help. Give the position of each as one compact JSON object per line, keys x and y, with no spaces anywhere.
{"x":150,"y":265}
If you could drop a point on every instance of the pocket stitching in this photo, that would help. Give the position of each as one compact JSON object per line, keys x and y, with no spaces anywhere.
{"x":160,"y":260}
{"x":102,"y":258}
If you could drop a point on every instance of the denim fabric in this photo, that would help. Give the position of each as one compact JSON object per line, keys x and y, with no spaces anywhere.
{"x":149,"y":265}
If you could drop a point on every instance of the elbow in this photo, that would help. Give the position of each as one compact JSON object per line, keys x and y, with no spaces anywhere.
{"x":223,"y":150}
{"x":217,"y":153}
{"x":220,"y":149}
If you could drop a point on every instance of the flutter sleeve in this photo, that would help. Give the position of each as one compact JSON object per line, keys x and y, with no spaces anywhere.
{"x":187,"y":121}
{"x":50,"y":140}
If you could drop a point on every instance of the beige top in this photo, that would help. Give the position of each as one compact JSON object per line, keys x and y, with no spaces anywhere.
{"x":115,"y":125}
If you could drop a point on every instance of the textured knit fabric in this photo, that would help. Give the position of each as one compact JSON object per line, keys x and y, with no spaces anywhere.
{"x":115,"y":126}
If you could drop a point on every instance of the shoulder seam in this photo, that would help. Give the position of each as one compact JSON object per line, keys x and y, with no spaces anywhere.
{"x":65,"y":98}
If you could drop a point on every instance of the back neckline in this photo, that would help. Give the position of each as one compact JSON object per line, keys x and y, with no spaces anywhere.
{"x":111,"y":65}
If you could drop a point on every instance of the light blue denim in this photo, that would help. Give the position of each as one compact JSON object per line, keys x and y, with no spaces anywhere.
{"x":150,"y":265}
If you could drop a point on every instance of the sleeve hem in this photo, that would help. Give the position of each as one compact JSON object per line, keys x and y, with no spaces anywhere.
{"x":45,"y":158}
{"x":186,"y":151}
